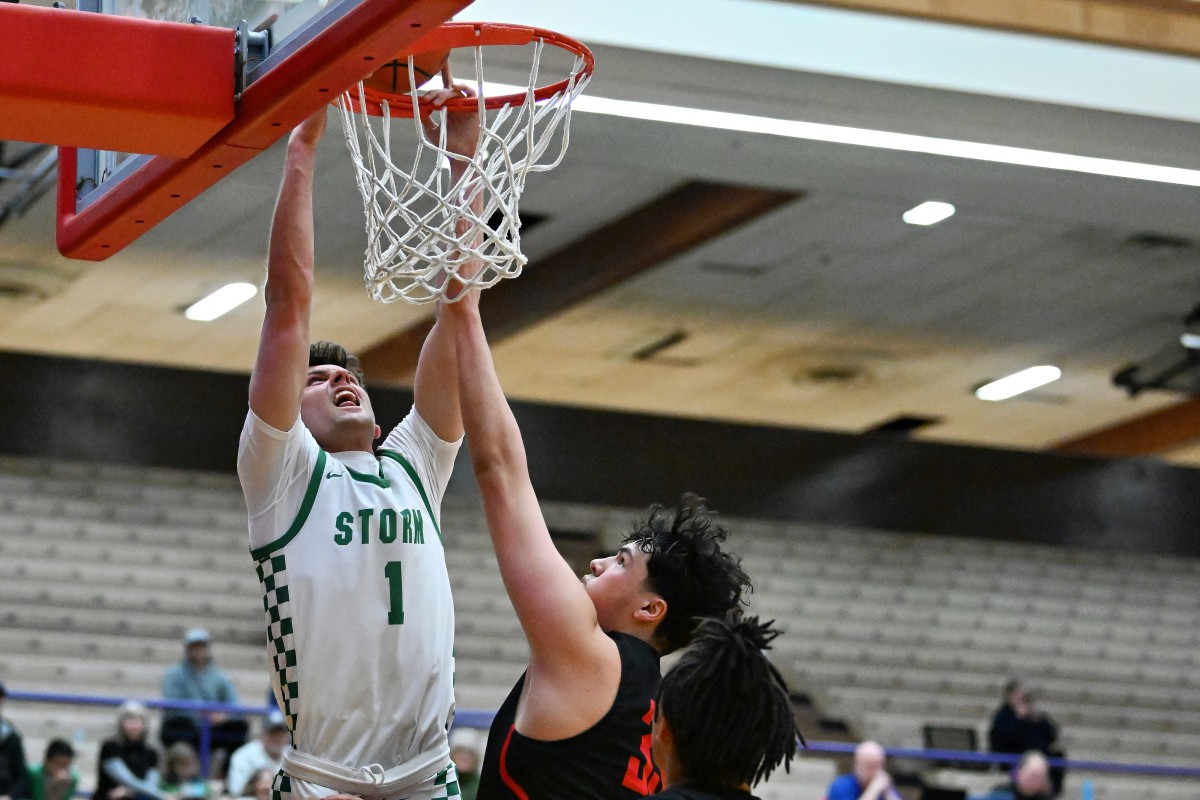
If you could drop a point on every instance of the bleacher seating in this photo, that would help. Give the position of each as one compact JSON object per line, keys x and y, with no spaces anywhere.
{"x":102,"y":569}
{"x":892,"y":632}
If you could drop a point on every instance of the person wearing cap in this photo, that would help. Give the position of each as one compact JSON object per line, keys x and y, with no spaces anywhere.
{"x":128,"y":765}
{"x":198,"y":678}
{"x":14,"y":778}
{"x":265,"y":753}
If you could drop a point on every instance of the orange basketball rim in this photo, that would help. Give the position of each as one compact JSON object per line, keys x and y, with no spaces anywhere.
{"x":461,"y":35}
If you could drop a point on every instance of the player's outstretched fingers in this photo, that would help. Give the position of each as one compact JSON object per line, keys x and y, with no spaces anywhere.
{"x":462,"y":127}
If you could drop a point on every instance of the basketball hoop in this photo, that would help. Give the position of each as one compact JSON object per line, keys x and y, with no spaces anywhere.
{"x":420,"y":229}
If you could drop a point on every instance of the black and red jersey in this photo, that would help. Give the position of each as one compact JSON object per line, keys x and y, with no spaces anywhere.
{"x":609,"y":761}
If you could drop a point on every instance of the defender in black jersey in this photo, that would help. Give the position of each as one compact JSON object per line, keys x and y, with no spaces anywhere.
{"x":609,"y":759}
{"x":723,"y":720}
{"x":577,"y":725}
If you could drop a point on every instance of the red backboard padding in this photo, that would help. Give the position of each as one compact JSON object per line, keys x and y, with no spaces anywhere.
{"x":113,"y":83}
{"x":369,"y":33}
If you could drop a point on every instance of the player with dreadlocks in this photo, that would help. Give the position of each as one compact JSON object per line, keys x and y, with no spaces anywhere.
{"x":723,"y":721}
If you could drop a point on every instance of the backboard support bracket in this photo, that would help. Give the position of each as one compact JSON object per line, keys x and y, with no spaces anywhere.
{"x":253,"y":47}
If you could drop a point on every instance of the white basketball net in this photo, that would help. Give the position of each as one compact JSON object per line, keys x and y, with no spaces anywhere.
{"x":420,"y":229}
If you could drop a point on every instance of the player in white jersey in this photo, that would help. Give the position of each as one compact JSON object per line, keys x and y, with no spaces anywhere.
{"x":347,"y":541}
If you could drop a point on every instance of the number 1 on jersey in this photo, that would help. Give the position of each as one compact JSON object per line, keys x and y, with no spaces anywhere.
{"x":395,"y":592}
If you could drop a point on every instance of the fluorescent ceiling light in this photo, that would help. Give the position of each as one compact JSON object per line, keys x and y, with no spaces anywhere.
{"x":222,"y":301}
{"x":1018,"y":382}
{"x":930,"y":212}
{"x":884,"y":140}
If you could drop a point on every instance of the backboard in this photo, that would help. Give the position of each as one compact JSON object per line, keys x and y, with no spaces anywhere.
{"x":289,"y":59}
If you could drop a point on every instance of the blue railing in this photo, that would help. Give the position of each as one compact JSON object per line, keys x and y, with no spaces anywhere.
{"x":483,"y":719}
{"x":1007,"y":759}
{"x":466,"y":719}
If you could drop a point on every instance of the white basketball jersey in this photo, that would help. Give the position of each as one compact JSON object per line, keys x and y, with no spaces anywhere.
{"x":359,"y":613}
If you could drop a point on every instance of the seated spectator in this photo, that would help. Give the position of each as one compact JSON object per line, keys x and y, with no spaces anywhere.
{"x":55,"y":778}
{"x":259,"y":785}
{"x":1031,"y":781}
{"x":868,"y":781}
{"x":265,"y":753}
{"x":198,"y":678}
{"x":14,"y":777}
{"x":181,"y":776}
{"x":128,"y":766}
{"x":1018,"y":727}
{"x":723,"y":721}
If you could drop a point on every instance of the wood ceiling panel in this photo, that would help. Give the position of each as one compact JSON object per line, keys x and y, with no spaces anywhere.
{"x":1173,"y":427}
{"x":1169,"y":26}
{"x":672,"y":224}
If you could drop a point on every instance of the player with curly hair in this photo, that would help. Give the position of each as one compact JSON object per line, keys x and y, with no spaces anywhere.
{"x":577,"y":725}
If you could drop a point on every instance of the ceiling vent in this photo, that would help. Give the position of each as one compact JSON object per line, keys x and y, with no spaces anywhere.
{"x":1158,"y":242}
{"x":654,"y":347}
{"x":830,"y":374}
{"x":25,"y":284}
{"x":839,"y":366}
{"x":736,"y":270}
{"x":903,"y":425}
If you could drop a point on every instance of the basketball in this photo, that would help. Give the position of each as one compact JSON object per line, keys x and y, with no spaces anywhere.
{"x":392,"y":77}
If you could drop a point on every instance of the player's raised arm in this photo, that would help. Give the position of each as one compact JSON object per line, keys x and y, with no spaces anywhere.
{"x":435,"y":386}
{"x":280,"y":368}
{"x":572,"y":660}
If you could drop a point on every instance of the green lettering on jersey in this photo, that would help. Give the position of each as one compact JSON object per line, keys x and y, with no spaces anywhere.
{"x":387,"y":525}
{"x":364,"y":523}
{"x":343,"y":524}
{"x":406,"y":524}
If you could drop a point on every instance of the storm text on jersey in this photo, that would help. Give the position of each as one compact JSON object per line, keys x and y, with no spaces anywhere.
{"x":388,"y":525}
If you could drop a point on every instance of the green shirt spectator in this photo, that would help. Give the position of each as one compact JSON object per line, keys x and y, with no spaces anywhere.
{"x":55,"y":778}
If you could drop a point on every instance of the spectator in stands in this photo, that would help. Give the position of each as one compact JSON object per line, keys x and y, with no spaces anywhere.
{"x":14,"y":777}
{"x":55,"y":778}
{"x":868,"y":781}
{"x":1018,"y":727}
{"x":181,"y":776}
{"x":128,"y":766}
{"x":198,"y":678}
{"x":464,"y":752}
{"x":723,"y":720}
{"x":259,"y":785}
{"x":1031,"y":781}
{"x":265,"y":753}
